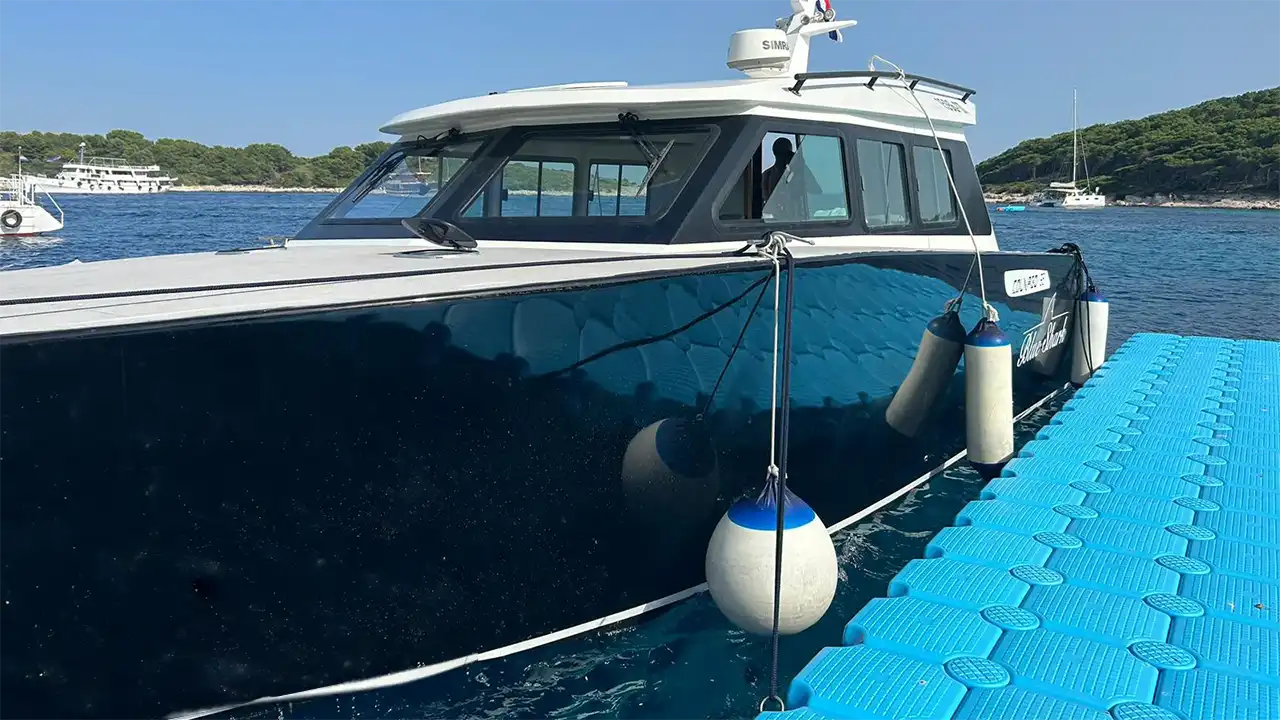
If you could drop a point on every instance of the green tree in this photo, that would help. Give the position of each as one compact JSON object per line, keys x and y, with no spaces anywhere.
{"x":1230,"y":144}
{"x":190,"y":162}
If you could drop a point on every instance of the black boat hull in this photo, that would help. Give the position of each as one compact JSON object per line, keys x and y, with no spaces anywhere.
{"x":201,"y":516}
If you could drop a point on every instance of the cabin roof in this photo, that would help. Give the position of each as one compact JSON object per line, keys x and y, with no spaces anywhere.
{"x":885,"y":103}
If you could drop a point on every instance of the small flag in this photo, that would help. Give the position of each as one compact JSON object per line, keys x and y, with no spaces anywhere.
{"x":23,"y":158}
{"x":55,"y":158}
{"x":823,"y":8}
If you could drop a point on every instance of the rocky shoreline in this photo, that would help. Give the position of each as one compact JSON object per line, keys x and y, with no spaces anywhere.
{"x":1221,"y":202}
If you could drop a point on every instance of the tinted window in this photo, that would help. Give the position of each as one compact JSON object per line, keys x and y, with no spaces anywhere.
{"x":536,"y":188}
{"x":883,"y":172}
{"x":937,"y":202}
{"x":410,"y":182}
{"x":802,"y":180}
{"x":617,"y":190}
{"x":541,"y":177}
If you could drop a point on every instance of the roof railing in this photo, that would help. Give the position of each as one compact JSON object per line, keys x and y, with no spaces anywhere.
{"x":871,"y":76}
{"x":110,"y":162}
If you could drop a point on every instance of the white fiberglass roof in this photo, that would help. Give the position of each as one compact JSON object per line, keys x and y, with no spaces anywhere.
{"x":886,"y":104}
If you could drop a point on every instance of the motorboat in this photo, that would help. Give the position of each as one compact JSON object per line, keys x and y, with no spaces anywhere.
{"x":442,"y":426}
{"x":21,"y":212}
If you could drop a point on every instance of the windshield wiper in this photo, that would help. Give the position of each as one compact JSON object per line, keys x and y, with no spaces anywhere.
{"x":653,"y":157}
{"x":653,"y":169}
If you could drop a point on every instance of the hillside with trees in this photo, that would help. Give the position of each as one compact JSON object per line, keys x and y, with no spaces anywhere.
{"x":1224,"y":146}
{"x":190,"y":162}
{"x":262,"y":164}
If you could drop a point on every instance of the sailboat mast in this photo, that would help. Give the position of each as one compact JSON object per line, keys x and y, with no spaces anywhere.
{"x":1075,"y":138}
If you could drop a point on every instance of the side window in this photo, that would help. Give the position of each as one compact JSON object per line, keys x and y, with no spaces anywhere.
{"x":937,"y":203}
{"x":801,"y":179}
{"x":616,"y":190}
{"x":882,"y":168}
{"x":528,"y":188}
{"x":537,"y":188}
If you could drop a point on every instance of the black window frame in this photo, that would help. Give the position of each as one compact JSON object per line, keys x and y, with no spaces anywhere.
{"x":497,"y":146}
{"x":638,"y":229}
{"x":692,"y":214}
{"x":751,"y":140}
{"x":949,"y":166}
{"x":541,"y":160}
{"x":347,"y":196}
{"x":621,"y":164}
{"x":967,"y":192}
{"x":911,"y":227}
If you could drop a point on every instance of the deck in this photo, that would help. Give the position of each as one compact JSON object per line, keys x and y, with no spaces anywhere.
{"x":1125,"y":567}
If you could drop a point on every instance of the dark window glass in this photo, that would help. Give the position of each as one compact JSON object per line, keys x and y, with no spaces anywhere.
{"x":801,"y":180}
{"x":883,"y":172}
{"x":937,"y":202}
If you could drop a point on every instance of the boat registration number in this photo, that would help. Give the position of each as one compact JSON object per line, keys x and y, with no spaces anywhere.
{"x":1025,"y":282}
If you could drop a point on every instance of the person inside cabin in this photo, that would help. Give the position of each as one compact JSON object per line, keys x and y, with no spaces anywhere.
{"x":782,"y":155}
{"x":784,"y":184}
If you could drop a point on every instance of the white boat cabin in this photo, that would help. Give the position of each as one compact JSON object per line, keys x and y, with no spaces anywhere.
{"x":853,"y":159}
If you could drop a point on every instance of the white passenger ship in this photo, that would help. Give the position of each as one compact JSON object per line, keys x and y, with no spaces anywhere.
{"x":103,"y":176}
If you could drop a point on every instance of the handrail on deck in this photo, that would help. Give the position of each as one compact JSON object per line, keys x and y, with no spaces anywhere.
{"x":871,"y":76}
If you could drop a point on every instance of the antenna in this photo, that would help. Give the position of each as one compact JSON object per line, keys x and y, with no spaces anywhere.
{"x":783,"y":50}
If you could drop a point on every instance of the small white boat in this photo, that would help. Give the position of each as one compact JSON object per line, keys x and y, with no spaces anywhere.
{"x":1075,"y":197}
{"x":21,"y":214}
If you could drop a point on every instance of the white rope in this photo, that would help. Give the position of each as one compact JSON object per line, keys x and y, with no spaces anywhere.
{"x":988,"y":311}
{"x":773,"y":251}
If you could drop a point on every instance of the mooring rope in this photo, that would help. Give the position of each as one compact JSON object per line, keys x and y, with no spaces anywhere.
{"x":989,"y":312}
{"x":775,"y":488}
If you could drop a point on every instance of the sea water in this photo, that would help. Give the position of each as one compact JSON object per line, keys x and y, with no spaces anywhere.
{"x":1208,"y":272}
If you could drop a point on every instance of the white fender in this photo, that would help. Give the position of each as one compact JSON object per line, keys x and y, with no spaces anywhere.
{"x":941,"y":348}
{"x":740,"y":566}
{"x":1089,"y":341}
{"x":988,"y":398}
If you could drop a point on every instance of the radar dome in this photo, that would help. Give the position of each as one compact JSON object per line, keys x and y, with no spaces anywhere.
{"x":760,"y":52}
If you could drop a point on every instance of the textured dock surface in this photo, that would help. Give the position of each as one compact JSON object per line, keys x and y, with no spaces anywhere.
{"x":1126,"y":565}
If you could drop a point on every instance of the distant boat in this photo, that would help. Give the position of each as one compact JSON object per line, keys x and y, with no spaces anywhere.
{"x":21,"y":215}
{"x":1074,"y":197}
{"x":103,"y":176}
{"x":1011,"y":208}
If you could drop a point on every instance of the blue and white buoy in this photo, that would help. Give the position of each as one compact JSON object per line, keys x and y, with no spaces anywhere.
{"x":940,"y":351}
{"x":670,"y":474}
{"x":1089,"y":341}
{"x":740,"y":565}
{"x":988,"y":391}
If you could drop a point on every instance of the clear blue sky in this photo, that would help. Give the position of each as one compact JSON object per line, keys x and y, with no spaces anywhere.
{"x":312,"y":75}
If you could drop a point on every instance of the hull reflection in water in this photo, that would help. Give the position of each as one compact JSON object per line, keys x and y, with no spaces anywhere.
{"x":200,"y":516}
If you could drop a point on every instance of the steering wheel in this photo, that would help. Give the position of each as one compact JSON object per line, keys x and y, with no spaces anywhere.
{"x":440,"y":232}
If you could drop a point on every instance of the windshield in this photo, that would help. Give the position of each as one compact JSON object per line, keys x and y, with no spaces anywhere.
{"x":573,"y":173}
{"x":559,"y":183}
{"x":408,"y":179}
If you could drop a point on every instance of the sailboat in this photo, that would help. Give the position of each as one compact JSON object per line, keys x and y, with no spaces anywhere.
{"x":1075,"y":197}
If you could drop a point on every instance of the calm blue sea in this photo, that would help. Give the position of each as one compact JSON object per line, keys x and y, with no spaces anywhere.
{"x":1212,"y":272}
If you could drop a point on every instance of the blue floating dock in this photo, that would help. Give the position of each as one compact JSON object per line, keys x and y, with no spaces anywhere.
{"x":1126,"y":566}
